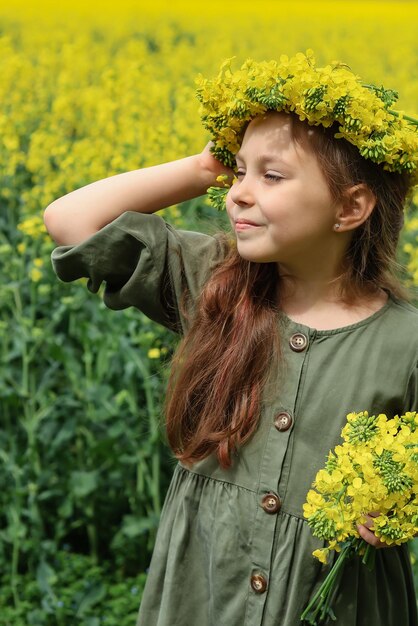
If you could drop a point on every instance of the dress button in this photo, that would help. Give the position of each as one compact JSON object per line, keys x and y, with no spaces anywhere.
{"x":271,"y":502}
{"x":283,"y":421}
{"x":298,"y":342}
{"x":258,"y":583}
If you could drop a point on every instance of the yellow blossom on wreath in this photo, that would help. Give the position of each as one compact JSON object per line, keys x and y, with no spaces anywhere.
{"x":329,"y":96}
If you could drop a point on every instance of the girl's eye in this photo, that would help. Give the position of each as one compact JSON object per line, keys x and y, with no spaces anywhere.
{"x":273,"y":177}
{"x":268,"y":176}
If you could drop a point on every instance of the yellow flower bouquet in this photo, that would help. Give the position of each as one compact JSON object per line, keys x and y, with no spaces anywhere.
{"x":375,"y":469}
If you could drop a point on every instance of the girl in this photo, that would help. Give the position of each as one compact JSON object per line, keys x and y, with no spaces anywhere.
{"x":295,"y":321}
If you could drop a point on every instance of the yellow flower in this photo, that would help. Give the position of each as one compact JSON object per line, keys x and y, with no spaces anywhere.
{"x":154,"y":353}
{"x":35,"y":275}
{"x":357,"y":483}
{"x":321,"y":555}
{"x":32,"y":227}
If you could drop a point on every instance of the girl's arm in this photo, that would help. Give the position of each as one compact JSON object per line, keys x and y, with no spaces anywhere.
{"x":79,"y":214}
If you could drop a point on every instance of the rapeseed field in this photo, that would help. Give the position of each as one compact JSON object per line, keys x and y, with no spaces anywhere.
{"x":88,"y":91}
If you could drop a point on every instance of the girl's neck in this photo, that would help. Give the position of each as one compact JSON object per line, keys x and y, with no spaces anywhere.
{"x":321,"y":306}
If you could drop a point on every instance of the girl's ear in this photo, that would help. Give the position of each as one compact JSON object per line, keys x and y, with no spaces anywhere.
{"x":356,"y":206}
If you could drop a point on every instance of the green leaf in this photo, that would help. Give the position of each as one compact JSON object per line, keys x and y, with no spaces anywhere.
{"x":45,"y":577}
{"x":84,"y":483}
{"x":91,"y":621}
{"x":92,"y":596}
{"x":134,"y":526}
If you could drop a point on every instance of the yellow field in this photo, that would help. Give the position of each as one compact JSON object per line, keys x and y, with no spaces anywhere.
{"x":91,"y":90}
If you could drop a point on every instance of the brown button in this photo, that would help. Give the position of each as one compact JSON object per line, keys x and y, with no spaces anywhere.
{"x":258,"y":583}
{"x":298,"y":342}
{"x":271,"y":503}
{"x":283,"y":421}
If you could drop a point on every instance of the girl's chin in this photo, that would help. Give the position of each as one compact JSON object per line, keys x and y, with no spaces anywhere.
{"x":254,"y":256}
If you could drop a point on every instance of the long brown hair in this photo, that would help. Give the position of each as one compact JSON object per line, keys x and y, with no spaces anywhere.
{"x":221,"y":366}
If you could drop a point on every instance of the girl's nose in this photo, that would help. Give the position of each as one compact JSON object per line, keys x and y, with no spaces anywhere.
{"x":241,"y":193}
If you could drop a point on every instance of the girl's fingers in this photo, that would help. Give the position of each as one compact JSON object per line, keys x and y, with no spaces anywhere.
{"x":369,"y":521}
{"x":366,"y":531}
{"x":370,"y":537}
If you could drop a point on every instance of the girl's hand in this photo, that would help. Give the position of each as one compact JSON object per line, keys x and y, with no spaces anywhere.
{"x":366,"y":531}
{"x":213,"y":167}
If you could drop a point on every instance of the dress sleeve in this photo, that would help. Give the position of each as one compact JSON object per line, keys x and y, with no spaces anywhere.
{"x":145,"y":263}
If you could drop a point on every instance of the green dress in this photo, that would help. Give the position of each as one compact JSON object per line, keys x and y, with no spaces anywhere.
{"x":233,"y":548}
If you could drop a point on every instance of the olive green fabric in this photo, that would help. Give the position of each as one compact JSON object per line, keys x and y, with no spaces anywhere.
{"x":214,"y":534}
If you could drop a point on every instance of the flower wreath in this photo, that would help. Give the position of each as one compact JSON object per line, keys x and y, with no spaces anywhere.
{"x":319,"y":95}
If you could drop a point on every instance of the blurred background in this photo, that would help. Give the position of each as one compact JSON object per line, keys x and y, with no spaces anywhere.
{"x":86,"y":92}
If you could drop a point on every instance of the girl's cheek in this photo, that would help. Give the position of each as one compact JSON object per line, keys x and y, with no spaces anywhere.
{"x":229,"y":204}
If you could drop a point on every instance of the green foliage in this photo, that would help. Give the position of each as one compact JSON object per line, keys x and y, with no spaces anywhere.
{"x":72,"y":590}
{"x":83,"y":462}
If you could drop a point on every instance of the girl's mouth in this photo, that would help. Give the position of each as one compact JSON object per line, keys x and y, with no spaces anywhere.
{"x":242,"y":224}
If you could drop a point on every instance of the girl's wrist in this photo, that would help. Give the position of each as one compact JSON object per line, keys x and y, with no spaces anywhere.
{"x":209,"y":169}
{"x":205,"y":177}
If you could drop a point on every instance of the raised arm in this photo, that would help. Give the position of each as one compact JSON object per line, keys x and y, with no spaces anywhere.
{"x":79,"y":214}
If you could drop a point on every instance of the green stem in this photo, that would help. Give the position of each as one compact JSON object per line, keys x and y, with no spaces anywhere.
{"x":92,"y":534}
{"x":153,"y":420}
{"x":18,"y":301}
{"x":327,"y":586}
{"x":369,"y":557}
{"x":341,"y":493}
{"x":15,"y":561}
{"x":25,"y":371}
{"x":405,"y":117}
{"x":155,"y":464}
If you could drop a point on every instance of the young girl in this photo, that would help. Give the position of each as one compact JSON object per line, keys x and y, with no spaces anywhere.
{"x":288,"y":325}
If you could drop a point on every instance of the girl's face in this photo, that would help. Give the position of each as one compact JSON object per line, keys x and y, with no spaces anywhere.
{"x":280,"y":207}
